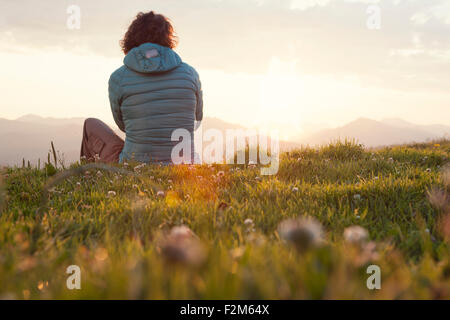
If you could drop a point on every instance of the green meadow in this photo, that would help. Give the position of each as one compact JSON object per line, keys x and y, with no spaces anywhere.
{"x":226,"y":232}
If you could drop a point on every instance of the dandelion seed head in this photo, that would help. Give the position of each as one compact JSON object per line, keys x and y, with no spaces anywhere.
{"x":187,"y":252}
{"x":303,"y":233}
{"x":181,"y":232}
{"x":181,"y":246}
{"x":446,"y":178}
{"x":438,"y":198}
{"x":356,"y":235}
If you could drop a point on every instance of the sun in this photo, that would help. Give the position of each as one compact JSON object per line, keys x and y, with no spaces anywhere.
{"x":280,"y":99}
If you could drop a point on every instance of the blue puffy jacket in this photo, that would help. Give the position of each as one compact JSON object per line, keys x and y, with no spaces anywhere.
{"x":153,"y":94}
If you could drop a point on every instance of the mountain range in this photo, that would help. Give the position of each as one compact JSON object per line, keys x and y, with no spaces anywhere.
{"x":29,"y":137}
{"x":372,"y":133}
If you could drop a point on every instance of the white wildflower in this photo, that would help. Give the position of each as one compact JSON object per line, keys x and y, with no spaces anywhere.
{"x":160,"y":194}
{"x":248,"y":222}
{"x":139,"y":167}
{"x":112,"y":193}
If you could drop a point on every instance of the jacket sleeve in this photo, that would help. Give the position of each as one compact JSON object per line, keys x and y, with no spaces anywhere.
{"x":199,"y":94}
{"x":115,"y":99}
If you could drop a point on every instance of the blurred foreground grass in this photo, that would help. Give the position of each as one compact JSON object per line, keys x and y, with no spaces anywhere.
{"x":120,"y":229}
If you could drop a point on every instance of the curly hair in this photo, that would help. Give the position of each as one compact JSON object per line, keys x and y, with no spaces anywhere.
{"x":149,"y":27}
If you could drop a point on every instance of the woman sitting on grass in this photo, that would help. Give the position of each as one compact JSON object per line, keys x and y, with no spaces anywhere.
{"x":151,"y":95}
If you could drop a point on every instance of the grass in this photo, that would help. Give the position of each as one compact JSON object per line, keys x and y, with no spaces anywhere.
{"x":121,"y":239}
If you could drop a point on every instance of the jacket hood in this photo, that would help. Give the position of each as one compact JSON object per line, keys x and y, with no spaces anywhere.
{"x":152,"y":58}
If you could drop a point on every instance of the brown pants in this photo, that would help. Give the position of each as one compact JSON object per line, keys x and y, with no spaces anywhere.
{"x":100,"y":143}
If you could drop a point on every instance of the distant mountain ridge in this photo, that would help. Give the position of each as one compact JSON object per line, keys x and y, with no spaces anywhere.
{"x":29,"y":137}
{"x":374,"y":133}
{"x":31,"y":140}
{"x":32,"y":118}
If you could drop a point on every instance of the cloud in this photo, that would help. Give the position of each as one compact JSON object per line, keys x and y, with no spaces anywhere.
{"x":306,"y":4}
{"x":326,"y":37}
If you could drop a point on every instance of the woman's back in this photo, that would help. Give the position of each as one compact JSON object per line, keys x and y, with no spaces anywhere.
{"x":152,"y":95}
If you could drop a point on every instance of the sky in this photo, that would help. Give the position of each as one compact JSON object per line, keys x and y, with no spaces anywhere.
{"x":297,"y":65}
